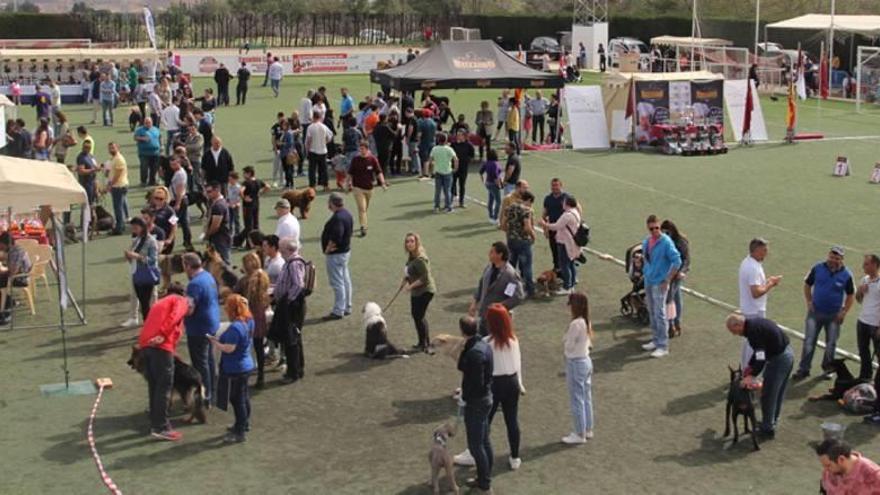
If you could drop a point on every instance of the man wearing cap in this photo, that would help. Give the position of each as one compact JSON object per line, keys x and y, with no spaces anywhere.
{"x":336,"y":244}
{"x":288,"y":225}
{"x":829,"y":292}
{"x":754,"y":287}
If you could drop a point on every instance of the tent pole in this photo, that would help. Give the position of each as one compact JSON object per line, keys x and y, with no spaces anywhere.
{"x":60,"y":264}
{"x":831,"y":46}
{"x":757,"y":27}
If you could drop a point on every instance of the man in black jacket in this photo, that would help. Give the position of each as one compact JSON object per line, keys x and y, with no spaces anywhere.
{"x":222,"y":78}
{"x":475,"y":364}
{"x":241,"y":89}
{"x":336,"y":245}
{"x":772,"y":356}
{"x":217,"y":163}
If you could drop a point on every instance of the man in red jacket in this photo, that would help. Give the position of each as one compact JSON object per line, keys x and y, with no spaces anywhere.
{"x":157,"y":341}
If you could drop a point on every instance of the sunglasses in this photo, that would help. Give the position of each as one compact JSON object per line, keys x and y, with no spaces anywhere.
{"x":652,"y":229}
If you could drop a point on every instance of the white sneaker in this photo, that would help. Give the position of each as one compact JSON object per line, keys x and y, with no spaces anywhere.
{"x":573,"y":439}
{"x":659,"y":353}
{"x":588,"y":434}
{"x":464,"y":459}
{"x":131,"y":322}
{"x":649,"y":346}
{"x":515,"y":463}
{"x":562,"y":292}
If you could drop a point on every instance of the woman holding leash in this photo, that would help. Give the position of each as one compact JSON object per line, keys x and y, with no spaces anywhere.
{"x":144,"y":259}
{"x":681,"y":243}
{"x":235,"y":366}
{"x":579,"y":368}
{"x":566,"y":247}
{"x":419,"y":282}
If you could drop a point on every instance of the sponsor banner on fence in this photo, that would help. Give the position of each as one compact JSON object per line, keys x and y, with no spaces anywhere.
{"x":707,"y":100}
{"x":586,"y":117}
{"x":735,"y":101}
{"x":652,"y":107}
{"x":205,"y":63}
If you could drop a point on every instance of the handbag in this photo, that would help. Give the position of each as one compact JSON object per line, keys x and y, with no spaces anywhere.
{"x":144,"y":273}
{"x":292,"y":158}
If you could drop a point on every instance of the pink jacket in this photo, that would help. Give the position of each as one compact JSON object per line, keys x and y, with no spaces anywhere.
{"x":565,"y":228}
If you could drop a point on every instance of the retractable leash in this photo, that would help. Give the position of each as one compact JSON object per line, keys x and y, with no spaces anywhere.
{"x":102,"y":383}
{"x":392,"y":299}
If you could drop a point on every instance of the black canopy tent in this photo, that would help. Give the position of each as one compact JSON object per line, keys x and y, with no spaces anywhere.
{"x":464,"y":64}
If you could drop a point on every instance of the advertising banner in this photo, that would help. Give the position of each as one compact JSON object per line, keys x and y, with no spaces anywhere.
{"x":707,"y":100}
{"x":735,"y":101}
{"x":586,"y":117}
{"x":652,"y":107}
{"x":205,"y":63}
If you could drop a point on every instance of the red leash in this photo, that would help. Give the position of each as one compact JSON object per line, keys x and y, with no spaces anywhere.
{"x":91,"y":437}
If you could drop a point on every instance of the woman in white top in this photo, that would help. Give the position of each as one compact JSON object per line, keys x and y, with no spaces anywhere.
{"x":567,"y":249}
{"x":506,"y":380}
{"x":579,"y":369}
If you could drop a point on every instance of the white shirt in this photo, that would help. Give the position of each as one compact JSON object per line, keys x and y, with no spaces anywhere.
{"x":276,"y":71}
{"x":317,"y":137}
{"x":321,"y":109}
{"x":274,"y":267}
{"x":305,"y":109}
{"x":155,"y":103}
{"x":870,"y":314}
{"x":751,"y":272}
{"x":576,"y":341}
{"x":171,"y":117}
{"x":506,"y":360}
{"x":288,"y":228}
{"x":55,"y":92}
{"x":216,"y":155}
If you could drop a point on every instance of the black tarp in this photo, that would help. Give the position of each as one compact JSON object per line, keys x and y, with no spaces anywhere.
{"x":464,"y":64}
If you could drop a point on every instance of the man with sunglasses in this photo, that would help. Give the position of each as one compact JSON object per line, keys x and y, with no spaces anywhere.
{"x":662,"y":262}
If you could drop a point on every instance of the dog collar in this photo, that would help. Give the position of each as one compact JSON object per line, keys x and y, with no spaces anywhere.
{"x":440,"y":439}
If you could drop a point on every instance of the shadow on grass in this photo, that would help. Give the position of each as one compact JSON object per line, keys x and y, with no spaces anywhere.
{"x":458,"y":293}
{"x":457,"y":308}
{"x":412,"y":215}
{"x":614,"y":358}
{"x":108,"y":300}
{"x":421,"y":411}
{"x":712,"y":450}
{"x":74,"y":337}
{"x":468,"y":227}
{"x":90,"y":350}
{"x":355,"y":363}
{"x":696,"y":402}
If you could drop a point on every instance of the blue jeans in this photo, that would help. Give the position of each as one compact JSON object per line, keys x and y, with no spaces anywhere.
{"x":675,"y":297}
{"x":107,"y":111}
{"x":476,"y":423}
{"x":340,"y":280}
{"x":276,"y":86}
{"x":655,"y":298}
{"x":814,"y":324}
{"x":509,"y":188}
{"x":415,"y":161}
{"x":521,"y":259}
{"x":579,"y":378}
{"x":120,"y":207}
{"x":443,"y":182}
{"x":776,"y":373}
{"x":169,"y":140}
{"x":566,"y":266}
{"x":240,"y":400}
{"x":494,"y":201}
{"x":203,"y":361}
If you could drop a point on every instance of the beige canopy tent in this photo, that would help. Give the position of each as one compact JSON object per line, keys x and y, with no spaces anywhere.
{"x":867,"y":25}
{"x":689,"y":41}
{"x":617,"y":88}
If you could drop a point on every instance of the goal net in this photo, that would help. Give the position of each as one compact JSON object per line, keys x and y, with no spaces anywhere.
{"x":463,"y":34}
{"x":867,"y":83}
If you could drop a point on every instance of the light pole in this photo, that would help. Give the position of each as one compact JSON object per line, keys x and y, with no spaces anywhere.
{"x":757,"y":27}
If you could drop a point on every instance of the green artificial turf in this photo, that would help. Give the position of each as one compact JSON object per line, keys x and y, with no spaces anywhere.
{"x":359,"y":426}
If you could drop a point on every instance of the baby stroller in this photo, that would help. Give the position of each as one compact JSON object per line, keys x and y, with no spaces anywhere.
{"x":572,"y":74}
{"x":633,"y":304}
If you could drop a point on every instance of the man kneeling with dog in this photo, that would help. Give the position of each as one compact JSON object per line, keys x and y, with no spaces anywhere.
{"x":157,"y":341}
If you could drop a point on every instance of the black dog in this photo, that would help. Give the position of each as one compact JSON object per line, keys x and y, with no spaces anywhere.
{"x":197,"y":199}
{"x":843,"y":382}
{"x":187,"y":383}
{"x":740,"y":402}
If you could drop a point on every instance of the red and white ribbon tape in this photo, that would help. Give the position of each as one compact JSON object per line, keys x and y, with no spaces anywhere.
{"x":91,"y":437}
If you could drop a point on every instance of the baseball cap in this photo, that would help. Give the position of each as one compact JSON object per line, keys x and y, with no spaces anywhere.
{"x":838,"y":250}
{"x":282,"y":203}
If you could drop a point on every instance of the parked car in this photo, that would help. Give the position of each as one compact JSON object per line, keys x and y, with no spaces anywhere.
{"x":540,"y":46}
{"x":376,"y":36}
{"x":622,"y":46}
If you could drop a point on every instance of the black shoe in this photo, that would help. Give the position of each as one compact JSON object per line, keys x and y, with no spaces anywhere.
{"x":873,"y":419}
{"x":117,"y":232}
{"x":331,"y":317}
{"x":261,"y":384}
{"x":765,"y":434}
{"x":287,"y":380}
{"x":799,"y":375}
{"x":233,"y":438}
{"x":363,"y":232}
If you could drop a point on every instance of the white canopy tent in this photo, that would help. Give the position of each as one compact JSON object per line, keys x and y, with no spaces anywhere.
{"x":31,"y":185}
{"x":867,"y":25}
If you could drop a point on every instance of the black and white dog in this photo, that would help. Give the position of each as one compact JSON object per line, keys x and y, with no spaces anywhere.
{"x":377,"y":345}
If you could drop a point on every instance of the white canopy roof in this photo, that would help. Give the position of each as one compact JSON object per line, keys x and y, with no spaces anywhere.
{"x":26,"y":185}
{"x":6,"y":102}
{"x":688,"y":41}
{"x":80,"y":54}
{"x":868,"y":25}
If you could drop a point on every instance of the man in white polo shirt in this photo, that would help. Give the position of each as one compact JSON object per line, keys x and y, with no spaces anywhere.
{"x":868,"y":326}
{"x":318,"y":136}
{"x":288,"y":225}
{"x":753,"y":287}
{"x":276,"y":74}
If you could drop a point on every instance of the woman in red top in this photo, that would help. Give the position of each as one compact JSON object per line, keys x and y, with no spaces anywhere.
{"x":157,"y":341}
{"x":362,"y":174}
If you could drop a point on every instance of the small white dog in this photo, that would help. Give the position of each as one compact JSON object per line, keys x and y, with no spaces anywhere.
{"x":377,"y":345}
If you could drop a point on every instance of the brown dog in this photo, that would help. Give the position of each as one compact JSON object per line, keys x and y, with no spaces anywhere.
{"x":302,"y":199}
{"x":448,"y":345}
{"x":439,"y":458}
{"x":187,"y":382}
{"x":548,"y":283}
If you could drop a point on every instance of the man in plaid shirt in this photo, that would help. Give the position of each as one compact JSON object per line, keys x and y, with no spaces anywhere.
{"x":17,"y":263}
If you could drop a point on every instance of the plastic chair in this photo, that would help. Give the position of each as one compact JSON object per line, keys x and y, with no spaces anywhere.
{"x":27,"y":289}
{"x":43,"y":253}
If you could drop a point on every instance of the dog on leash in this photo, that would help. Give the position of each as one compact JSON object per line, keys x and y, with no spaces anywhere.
{"x":440,"y":459}
{"x":302,"y":199}
{"x":187,"y":382}
{"x":377,"y":345}
{"x":448,"y":345}
{"x":548,"y":283}
{"x":740,"y":403}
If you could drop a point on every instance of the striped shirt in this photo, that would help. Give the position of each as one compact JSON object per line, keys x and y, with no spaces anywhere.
{"x":290,"y":281}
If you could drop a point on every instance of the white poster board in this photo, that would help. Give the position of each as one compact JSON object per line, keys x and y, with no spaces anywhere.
{"x":586,"y":117}
{"x":735,"y":101}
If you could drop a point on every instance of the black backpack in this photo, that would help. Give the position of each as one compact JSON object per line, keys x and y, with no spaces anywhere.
{"x":582,"y":236}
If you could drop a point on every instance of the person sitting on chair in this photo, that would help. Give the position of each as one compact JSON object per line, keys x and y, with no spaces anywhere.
{"x":17,"y":263}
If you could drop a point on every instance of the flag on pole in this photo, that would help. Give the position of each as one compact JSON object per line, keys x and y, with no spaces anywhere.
{"x":823,"y":75}
{"x":801,"y":81}
{"x":750,"y":105}
{"x":151,"y":26}
{"x":791,"y":114}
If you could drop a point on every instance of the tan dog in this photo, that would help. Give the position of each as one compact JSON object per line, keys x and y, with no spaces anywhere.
{"x":448,"y":345}
{"x":302,"y":199}
{"x":439,"y":458}
{"x":548,"y":283}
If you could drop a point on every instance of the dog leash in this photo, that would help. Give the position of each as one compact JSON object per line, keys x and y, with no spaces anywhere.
{"x":108,"y":482}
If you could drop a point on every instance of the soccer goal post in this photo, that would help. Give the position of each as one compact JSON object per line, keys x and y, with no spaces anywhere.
{"x":867,"y":76}
{"x":463,"y":34}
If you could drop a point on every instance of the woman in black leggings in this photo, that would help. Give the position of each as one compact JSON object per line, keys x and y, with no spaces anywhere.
{"x":420,"y":284}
